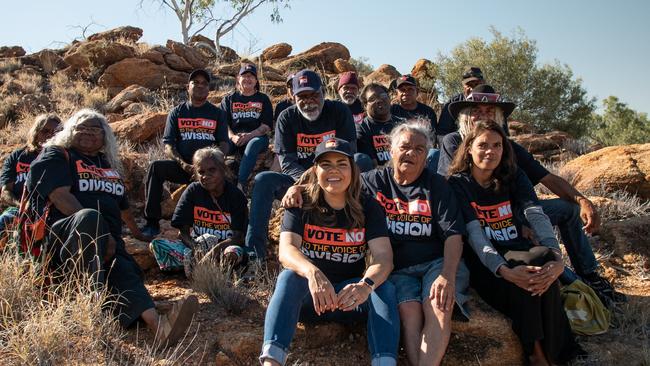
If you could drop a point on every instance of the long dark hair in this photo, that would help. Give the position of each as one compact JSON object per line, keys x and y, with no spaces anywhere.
{"x":317,"y":211}
{"x":504,"y":172}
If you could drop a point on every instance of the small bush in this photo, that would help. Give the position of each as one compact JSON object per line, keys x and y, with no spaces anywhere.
{"x":9,"y":65}
{"x":217,"y":282}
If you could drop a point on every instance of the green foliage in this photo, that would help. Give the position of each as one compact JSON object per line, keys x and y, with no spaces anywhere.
{"x":362,"y":65}
{"x":620,"y":125}
{"x":547,"y":97}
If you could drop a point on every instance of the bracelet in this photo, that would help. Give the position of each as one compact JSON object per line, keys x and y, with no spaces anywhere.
{"x":369,"y":282}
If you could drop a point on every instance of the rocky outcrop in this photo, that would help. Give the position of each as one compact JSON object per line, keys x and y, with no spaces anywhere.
{"x":321,"y":56}
{"x":11,"y":51}
{"x":537,"y":143}
{"x":141,"y":72}
{"x":96,"y":54}
{"x":176,"y":62}
{"x":516,"y":128}
{"x":127,"y":33}
{"x":133,"y":93}
{"x":384,"y":75}
{"x":191,"y":55}
{"x":49,"y":61}
{"x":613,"y":168}
{"x":276,"y":51}
{"x":628,"y":238}
{"x":140,"y":128}
{"x":423,"y":70}
{"x":342,"y":66}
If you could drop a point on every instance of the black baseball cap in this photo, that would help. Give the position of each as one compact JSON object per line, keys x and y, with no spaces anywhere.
{"x":405,"y":79}
{"x":197,"y":72}
{"x":333,"y":144}
{"x":306,"y":80}
{"x":472,"y":73}
{"x":248,"y":68}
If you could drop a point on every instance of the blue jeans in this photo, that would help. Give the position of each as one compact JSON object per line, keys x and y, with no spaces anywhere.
{"x":566,"y":216}
{"x":292,"y":300}
{"x":268,"y":187}
{"x":7,"y":217}
{"x":254,"y":147}
{"x":364,"y":162}
{"x":432,"y":159}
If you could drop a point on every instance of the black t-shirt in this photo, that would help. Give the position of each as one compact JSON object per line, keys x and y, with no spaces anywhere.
{"x":358,"y":113}
{"x":525,"y":161}
{"x":447,"y":123}
{"x":246,"y":113}
{"x":422,"y":110}
{"x":337,"y":251}
{"x":499,"y":213}
{"x":420,"y":216}
{"x":93,"y":182}
{"x":190,"y":128}
{"x":372,"y":139}
{"x":15,"y":169}
{"x":297,"y":137}
{"x":280,"y":107}
{"x":197,"y":209}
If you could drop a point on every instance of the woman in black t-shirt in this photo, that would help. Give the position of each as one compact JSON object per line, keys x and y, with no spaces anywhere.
{"x":212,"y":208}
{"x":323,"y":247}
{"x":76,"y":181}
{"x":16,"y":166}
{"x":512,"y":274}
{"x":250,"y":118}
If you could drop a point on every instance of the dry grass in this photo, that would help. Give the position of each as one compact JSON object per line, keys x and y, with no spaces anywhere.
{"x":30,"y":83}
{"x":217,"y":282}
{"x":8,"y":111}
{"x":15,"y":134}
{"x":58,"y":324}
{"x":72,"y":95}
{"x":8,"y":65}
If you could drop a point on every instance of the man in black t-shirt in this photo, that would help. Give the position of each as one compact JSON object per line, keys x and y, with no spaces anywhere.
{"x":373,"y":131}
{"x":284,"y":103}
{"x":472,"y":77}
{"x":348,"y":89}
{"x":299,"y":129}
{"x":408,"y":107}
{"x":190,"y":126}
{"x":573,"y":213}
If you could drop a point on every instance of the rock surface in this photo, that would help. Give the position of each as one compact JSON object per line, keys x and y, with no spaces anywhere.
{"x":384,"y":75}
{"x":140,"y":128}
{"x":141,"y":72}
{"x":613,"y":168}
{"x":11,"y":51}
{"x":127,"y":33}
{"x":537,"y":143}
{"x":276,"y":51}
{"x":96,"y":54}
{"x":321,"y":56}
{"x":133,"y":93}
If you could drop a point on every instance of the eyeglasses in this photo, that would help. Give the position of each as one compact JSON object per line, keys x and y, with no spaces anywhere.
{"x":89,"y":130}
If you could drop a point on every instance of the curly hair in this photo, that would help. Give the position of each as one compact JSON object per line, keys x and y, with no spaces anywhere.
{"x":64,"y":137}
{"x":504,"y":173}
{"x":211,"y":153}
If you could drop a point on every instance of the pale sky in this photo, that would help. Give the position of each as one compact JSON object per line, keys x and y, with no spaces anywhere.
{"x":604,"y":42}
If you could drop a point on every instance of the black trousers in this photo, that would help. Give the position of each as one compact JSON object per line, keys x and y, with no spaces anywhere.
{"x":159,"y":172}
{"x":78,"y":242}
{"x":534,"y":318}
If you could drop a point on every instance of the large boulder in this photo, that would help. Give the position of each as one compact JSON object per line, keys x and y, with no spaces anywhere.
{"x":48,"y":60}
{"x":176,"y":62}
{"x":384,"y":75}
{"x":537,"y":143}
{"x":516,"y":128}
{"x":190,"y":54}
{"x":342,"y":66}
{"x":96,"y":54}
{"x":11,"y":51}
{"x":277,"y":51}
{"x":128,"y":33}
{"x":321,"y":56}
{"x":423,"y":70}
{"x":141,"y":72}
{"x":133,"y":93}
{"x":613,"y":168}
{"x":628,"y":238}
{"x":140,"y":128}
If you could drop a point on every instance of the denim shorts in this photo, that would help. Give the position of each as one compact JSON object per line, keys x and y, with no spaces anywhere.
{"x":414,"y":283}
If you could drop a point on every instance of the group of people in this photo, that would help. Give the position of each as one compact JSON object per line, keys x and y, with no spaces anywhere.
{"x":378,"y":223}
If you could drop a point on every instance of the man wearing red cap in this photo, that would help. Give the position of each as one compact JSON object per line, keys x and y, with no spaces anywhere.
{"x":348,"y":89}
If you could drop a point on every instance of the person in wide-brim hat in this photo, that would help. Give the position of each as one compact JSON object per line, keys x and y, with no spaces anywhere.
{"x":482,"y":94}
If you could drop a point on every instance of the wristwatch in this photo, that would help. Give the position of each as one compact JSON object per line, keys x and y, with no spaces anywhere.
{"x":369,"y":282}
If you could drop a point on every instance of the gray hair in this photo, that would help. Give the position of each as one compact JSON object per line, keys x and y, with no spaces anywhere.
{"x":64,"y":137}
{"x":39,"y":123}
{"x":419,"y":126}
{"x":465,"y":125}
{"x":215,"y":155}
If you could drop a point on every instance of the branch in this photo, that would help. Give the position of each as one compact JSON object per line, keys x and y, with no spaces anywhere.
{"x":237,"y":17}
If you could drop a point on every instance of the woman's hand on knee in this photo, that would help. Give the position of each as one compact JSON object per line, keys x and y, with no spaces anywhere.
{"x":353,"y":295}
{"x":443,"y":291}
{"x":322,"y":292}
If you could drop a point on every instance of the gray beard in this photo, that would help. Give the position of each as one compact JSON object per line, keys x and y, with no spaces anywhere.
{"x":311,"y":117}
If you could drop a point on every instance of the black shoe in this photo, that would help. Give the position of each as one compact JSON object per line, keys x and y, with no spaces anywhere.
{"x":604,"y":289}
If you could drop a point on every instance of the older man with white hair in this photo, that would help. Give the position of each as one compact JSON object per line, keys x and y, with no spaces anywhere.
{"x":299,"y":129}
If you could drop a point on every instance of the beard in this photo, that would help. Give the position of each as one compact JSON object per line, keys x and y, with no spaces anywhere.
{"x":311,"y":112}
{"x":348,"y":99}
